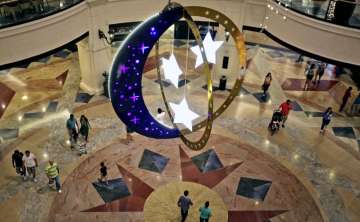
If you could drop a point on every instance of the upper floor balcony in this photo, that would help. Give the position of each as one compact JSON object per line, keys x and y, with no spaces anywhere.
{"x":340,"y":12}
{"x":15,"y":12}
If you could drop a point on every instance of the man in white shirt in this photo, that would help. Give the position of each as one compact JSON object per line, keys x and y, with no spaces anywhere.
{"x":160,"y":116}
{"x":242,"y":72}
{"x":30,"y":163}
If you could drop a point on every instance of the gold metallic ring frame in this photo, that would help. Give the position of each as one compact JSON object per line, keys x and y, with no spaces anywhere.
{"x":240,"y":45}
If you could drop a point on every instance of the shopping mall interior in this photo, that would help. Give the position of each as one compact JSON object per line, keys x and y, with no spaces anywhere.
{"x":112,"y":109}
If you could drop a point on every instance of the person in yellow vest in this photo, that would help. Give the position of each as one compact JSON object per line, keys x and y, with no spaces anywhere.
{"x":52,"y":172}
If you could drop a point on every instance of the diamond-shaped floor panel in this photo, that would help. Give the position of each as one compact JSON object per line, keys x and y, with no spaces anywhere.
{"x":253,"y":188}
{"x":52,"y":106}
{"x":83,"y":98}
{"x":34,"y":115}
{"x":9,"y":133}
{"x":207,"y":161}
{"x":347,"y":132}
{"x":261,"y":98}
{"x":153,"y":161}
{"x":114,"y":190}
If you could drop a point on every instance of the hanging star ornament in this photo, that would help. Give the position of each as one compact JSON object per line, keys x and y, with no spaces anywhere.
{"x":171,"y":69}
{"x":210,"y":47}
{"x":183,"y":114}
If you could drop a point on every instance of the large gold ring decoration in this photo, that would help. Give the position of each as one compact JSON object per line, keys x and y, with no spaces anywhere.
{"x":236,"y":34}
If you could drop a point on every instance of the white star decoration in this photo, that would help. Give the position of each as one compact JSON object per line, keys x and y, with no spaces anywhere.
{"x":210,"y":47}
{"x":183,"y":114}
{"x":171,"y":69}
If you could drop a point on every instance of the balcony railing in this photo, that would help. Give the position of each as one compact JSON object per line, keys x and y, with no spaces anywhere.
{"x":15,"y":12}
{"x":340,"y":12}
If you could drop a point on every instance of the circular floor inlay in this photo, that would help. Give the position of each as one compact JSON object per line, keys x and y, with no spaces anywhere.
{"x":161,"y":205}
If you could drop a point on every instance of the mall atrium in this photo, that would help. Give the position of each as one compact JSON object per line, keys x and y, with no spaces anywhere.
{"x":187,"y":110}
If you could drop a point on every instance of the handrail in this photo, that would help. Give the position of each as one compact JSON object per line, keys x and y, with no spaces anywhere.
{"x":340,"y":12}
{"x":16,"y":12}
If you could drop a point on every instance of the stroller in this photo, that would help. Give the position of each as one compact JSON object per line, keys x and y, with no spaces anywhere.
{"x":276,"y":119}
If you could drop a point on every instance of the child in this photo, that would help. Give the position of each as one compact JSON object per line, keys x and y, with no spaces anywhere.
{"x":103,"y":173}
{"x":82,"y":145}
{"x":275,"y":121}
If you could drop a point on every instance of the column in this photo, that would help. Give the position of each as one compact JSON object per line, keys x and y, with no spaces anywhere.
{"x":95,"y":54}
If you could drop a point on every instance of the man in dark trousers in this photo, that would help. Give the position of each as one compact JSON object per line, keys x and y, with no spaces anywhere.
{"x":285,"y":108}
{"x":346,"y":97}
{"x":184,"y":203}
{"x":18,"y":163}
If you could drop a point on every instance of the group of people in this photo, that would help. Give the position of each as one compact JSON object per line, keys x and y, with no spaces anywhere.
{"x":26,"y":165}
{"x":281,"y":114}
{"x":185,"y":203}
{"x":314,"y":73}
{"x":74,"y":131}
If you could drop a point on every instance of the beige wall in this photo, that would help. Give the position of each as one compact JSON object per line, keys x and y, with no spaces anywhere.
{"x":33,"y":38}
{"x":321,"y":38}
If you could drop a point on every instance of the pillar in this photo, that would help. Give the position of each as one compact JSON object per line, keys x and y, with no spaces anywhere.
{"x":94,"y":53}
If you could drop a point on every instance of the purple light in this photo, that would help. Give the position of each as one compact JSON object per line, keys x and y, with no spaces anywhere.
{"x":135,"y":120}
{"x":152,"y":31}
{"x":122,"y":69}
{"x":129,"y":88}
{"x":146,"y":128}
{"x":129,"y":114}
{"x":143,"y":48}
{"x":134,"y":97}
{"x":137,"y":61}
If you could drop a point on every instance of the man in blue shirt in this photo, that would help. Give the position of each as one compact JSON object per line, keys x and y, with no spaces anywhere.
{"x":72,"y":127}
{"x":184,"y":203}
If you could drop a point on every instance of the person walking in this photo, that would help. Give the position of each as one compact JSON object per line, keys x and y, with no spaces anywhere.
{"x":326,"y":119}
{"x":319,"y":73}
{"x":53,"y":173}
{"x":242,"y":72}
{"x":266,"y":84}
{"x":84,"y":127}
{"x":205,"y":212}
{"x":285,"y":108}
{"x":72,"y":127}
{"x":30,"y":163}
{"x":103,"y":173}
{"x":160,"y":116}
{"x":184,"y":203}
{"x":18,"y":162}
{"x":345,"y":99}
{"x":309,"y":76}
{"x":129,"y":137}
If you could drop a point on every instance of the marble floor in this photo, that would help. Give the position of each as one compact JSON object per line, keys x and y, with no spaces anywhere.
{"x":246,"y":174}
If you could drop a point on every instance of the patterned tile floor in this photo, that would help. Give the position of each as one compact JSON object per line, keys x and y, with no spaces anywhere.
{"x":312,"y":174}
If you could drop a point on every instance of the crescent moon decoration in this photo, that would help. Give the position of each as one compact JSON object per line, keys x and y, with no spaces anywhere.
{"x":126,"y":73}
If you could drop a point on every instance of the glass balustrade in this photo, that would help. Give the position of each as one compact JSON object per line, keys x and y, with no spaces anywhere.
{"x":14,"y":12}
{"x":341,"y":12}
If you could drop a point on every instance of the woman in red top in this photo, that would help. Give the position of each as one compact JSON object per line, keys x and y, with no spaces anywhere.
{"x":285,"y":109}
